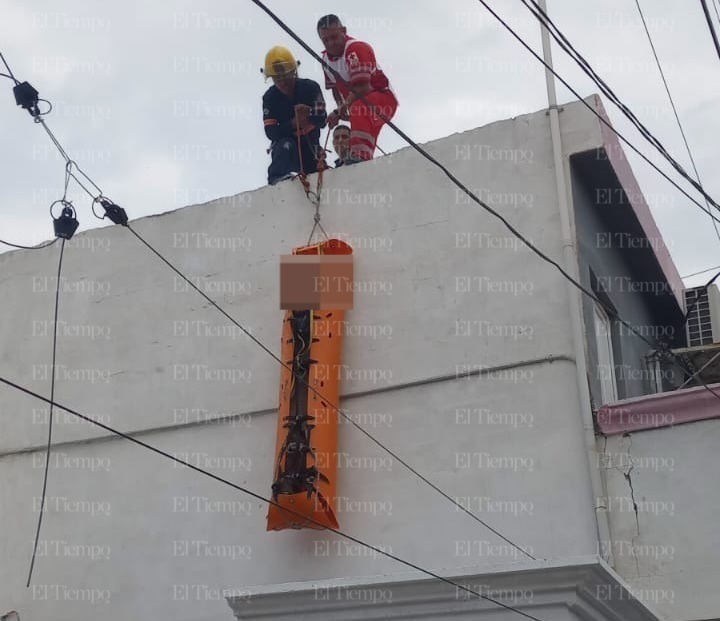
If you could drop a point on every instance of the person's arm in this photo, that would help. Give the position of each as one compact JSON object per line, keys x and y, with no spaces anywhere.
{"x":338,"y":97}
{"x":318,"y":114}
{"x":334,"y":117}
{"x":362,"y":64}
{"x":274,"y":129}
{"x":360,"y":89}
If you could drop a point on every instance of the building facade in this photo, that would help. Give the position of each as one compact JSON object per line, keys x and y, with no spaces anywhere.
{"x":459,"y":356}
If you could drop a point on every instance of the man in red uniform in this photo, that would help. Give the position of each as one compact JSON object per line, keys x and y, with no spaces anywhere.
{"x":355,"y":62}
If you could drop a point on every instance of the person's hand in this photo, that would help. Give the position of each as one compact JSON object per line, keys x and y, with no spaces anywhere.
{"x":333,"y":119}
{"x":305,"y":129}
{"x":302,"y":113}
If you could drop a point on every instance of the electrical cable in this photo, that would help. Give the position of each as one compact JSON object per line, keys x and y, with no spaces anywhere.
{"x":698,"y":297}
{"x":268,"y":501}
{"x":335,"y":407}
{"x":11,"y":75}
{"x":611,"y":311}
{"x":709,"y":269}
{"x":715,"y":6}
{"x":50,"y":417}
{"x":603,"y":120}
{"x":70,"y":164}
{"x":674,"y":107}
{"x":700,"y":370}
{"x":45,"y":245}
{"x":425,"y":154}
{"x":473,"y":197}
{"x":570,"y":49}
{"x":430,"y":158}
{"x":713,"y":33}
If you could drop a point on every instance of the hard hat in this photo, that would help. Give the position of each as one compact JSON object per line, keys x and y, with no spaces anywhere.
{"x":279,"y":62}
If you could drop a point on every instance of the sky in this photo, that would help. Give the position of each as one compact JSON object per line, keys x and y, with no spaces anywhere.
{"x":159,"y":102}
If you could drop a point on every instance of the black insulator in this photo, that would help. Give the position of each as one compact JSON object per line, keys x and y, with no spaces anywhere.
{"x":66,"y":225}
{"x":116,"y":213}
{"x":27,"y":97}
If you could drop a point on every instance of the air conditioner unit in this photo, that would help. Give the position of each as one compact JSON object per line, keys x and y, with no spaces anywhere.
{"x":703,"y":324}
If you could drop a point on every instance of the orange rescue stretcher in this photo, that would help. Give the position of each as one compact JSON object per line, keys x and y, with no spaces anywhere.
{"x":305,"y":479}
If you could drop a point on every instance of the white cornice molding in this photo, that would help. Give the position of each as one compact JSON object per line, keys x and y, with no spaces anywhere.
{"x":584,"y":586}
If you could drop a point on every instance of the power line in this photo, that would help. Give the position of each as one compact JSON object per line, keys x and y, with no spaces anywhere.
{"x":571,"y":51}
{"x":611,"y":312}
{"x":249,"y":492}
{"x":700,"y":370}
{"x":698,"y":297}
{"x":335,"y":407}
{"x":715,"y":6}
{"x":711,"y":26}
{"x":50,"y":417}
{"x":542,"y":255}
{"x":709,"y":269}
{"x":70,"y":163}
{"x":11,"y":75}
{"x":430,"y":158}
{"x":595,"y":112}
{"x":672,"y":103}
{"x":425,"y":154}
{"x":45,"y":245}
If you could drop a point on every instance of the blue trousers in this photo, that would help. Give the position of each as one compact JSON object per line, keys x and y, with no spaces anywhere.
{"x":285,"y":159}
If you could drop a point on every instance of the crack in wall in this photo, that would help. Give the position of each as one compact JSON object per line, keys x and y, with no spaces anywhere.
{"x":625,"y":468}
{"x":628,"y":478}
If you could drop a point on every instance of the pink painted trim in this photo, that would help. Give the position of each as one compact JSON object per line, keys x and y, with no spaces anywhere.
{"x":660,"y":410}
{"x":618,"y":160}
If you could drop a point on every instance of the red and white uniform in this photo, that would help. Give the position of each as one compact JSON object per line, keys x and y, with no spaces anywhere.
{"x":356,"y":65}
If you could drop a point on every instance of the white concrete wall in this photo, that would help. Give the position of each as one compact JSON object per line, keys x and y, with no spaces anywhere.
{"x":127,"y":502}
{"x":668,"y":549}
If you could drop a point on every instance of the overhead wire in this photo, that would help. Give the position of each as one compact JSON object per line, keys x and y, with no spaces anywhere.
{"x":672,"y":103}
{"x":609,"y":309}
{"x":245,"y":490}
{"x":713,"y":32}
{"x":50,"y":414}
{"x":700,"y":370}
{"x":587,"y":292}
{"x":699,"y":297}
{"x":458,"y":505}
{"x":21,"y":247}
{"x":332,"y":405}
{"x":709,"y":269}
{"x":10,"y":73}
{"x":570,"y":49}
{"x":452,"y":178}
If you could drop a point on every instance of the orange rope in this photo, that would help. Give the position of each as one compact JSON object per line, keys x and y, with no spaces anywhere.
{"x":321,"y":166}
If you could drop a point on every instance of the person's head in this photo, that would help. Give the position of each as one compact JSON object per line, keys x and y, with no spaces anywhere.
{"x":332,"y":33}
{"x":341,"y":141}
{"x":280,"y":65}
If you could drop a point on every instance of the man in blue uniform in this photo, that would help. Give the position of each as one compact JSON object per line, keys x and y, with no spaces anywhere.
{"x":292,"y":108}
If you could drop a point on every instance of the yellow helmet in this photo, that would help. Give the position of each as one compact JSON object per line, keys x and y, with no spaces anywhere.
{"x":279,"y":62}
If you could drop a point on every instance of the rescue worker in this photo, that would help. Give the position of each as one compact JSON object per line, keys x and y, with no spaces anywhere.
{"x":293,"y":107}
{"x":354,"y":60}
{"x":341,"y":144}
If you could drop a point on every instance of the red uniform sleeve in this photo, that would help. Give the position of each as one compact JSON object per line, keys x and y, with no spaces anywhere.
{"x":361,"y":63}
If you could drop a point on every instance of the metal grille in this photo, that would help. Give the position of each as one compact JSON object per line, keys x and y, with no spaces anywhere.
{"x":699,"y":324}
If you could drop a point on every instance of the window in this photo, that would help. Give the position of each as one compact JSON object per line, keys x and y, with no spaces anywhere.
{"x":605,"y":357}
